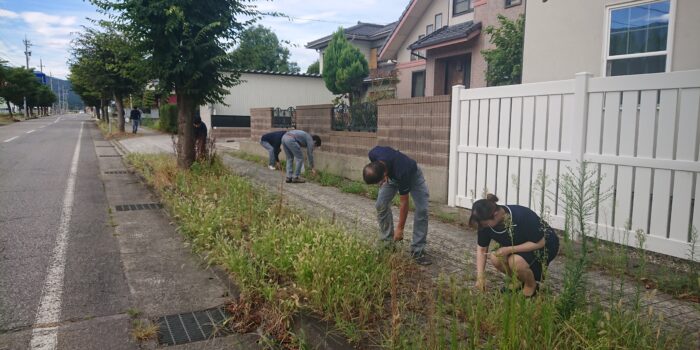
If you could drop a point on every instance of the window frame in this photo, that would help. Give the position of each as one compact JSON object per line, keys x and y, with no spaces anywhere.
{"x":413,"y":81}
{"x":669,"y":36}
{"x":436,"y":22}
{"x":429,"y":29}
{"x":512,"y":3}
{"x":454,"y":5}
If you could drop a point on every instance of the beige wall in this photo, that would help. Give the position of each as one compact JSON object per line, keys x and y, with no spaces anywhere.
{"x":266,"y":90}
{"x":563,"y":38}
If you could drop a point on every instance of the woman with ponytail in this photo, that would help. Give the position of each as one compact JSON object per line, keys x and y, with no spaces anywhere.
{"x":527,"y":243}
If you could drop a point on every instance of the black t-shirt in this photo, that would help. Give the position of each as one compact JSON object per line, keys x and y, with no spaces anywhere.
{"x":135,"y":114}
{"x":275,"y":140}
{"x":401,"y":168}
{"x":200,"y":132}
{"x":526,"y":227}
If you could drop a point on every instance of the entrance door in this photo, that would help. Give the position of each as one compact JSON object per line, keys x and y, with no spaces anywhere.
{"x":457,"y":72}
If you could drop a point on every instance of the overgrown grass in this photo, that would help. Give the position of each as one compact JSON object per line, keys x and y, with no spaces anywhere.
{"x":291,"y":262}
{"x":5,"y":119}
{"x":288,"y":260}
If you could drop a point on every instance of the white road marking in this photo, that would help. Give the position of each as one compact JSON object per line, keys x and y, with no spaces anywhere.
{"x":30,"y":131}
{"x":57,"y":119}
{"x":10,"y":139}
{"x":45,"y":331}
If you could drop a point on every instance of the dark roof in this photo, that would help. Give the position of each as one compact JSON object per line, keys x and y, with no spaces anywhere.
{"x":252,"y":71}
{"x":360,"y":31}
{"x":444,"y":34}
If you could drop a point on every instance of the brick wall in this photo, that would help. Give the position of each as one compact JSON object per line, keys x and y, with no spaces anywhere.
{"x":231,"y":133}
{"x":418,"y":127}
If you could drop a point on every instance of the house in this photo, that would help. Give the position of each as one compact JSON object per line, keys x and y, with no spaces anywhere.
{"x":437,"y":44}
{"x":262,"y":89}
{"x":610,"y":37}
{"x":367,"y":37}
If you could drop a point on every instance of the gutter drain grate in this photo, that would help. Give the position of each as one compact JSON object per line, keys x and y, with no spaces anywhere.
{"x":192,"y":326}
{"x":110,"y":155}
{"x":132,"y":207}
{"x":116,"y":172}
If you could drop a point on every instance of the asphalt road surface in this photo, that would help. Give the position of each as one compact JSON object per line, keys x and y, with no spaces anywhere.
{"x":62,"y":283}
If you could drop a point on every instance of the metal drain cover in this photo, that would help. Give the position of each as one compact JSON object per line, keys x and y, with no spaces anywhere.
{"x":110,"y":155}
{"x":192,"y":326}
{"x":116,"y":172}
{"x":132,"y":207}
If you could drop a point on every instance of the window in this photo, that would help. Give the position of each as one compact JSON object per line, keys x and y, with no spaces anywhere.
{"x":461,"y":6}
{"x":418,"y":84}
{"x":638,"y":38}
{"x":428,"y":29}
{"x":438,"y":21}
{"x":510,"y":3}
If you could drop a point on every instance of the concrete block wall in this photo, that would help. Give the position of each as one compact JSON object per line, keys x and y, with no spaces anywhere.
{"x":418,"y":127}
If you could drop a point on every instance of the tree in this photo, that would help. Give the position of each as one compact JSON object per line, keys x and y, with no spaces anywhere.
{"x":260,"y":49}
{"x":187,"y":43}
{"x":344,"y":67}
{"x":505,"y":61}
{"x":314,"y":68}
{"x":19,"y":83}
{"x":116,"y":65}
{"x":90,"y":88}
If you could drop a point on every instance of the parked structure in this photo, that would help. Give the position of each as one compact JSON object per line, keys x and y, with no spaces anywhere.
{"x":610,"y":37}
{"x":437,"y":44}
{"x":262,"y":89}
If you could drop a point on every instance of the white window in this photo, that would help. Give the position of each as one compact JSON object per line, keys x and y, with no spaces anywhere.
{"x":438,"y":21}
{"x":638,"y":38}
{"x":428,"y":29}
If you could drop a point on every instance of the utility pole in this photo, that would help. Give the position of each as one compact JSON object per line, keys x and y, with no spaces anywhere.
{"x":53,"y":105}
{"x":41,"y":66}
{"x":27,"y":53}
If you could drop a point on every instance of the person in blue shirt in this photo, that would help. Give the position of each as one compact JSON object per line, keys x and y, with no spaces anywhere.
{"x":272,"y":142}
{"x":396,"y":172}
{"x":527,"y":243}
{"x":292,"y":142}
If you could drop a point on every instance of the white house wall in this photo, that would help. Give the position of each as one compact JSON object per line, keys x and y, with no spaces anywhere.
{"x":267,"y":90}
{"x":566,"y":37}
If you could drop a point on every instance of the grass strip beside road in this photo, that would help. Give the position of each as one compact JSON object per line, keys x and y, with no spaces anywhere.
{"x":285,"y":262}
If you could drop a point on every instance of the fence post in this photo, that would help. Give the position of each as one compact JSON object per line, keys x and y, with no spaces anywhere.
{"x":453,"y":169}
{"x":580,"y":121}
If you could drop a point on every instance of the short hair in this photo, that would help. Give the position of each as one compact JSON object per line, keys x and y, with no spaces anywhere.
{"x":197,"y":119}
{"x":484,"y":209}
{"x":373,"y":172}
{"x":317,"y":140}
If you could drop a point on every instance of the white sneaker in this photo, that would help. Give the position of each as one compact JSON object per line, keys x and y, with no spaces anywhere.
{"x":271,"y":167}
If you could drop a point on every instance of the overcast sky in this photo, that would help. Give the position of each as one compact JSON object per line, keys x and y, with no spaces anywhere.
{"x":49,"y":25}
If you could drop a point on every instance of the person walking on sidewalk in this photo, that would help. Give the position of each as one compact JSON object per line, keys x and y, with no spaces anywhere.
{"x":527,"y":243}
{"x":293,"y":141}
{"x":396,"y":172}
{"x":135,"y":117}
{"x":272,"y":142}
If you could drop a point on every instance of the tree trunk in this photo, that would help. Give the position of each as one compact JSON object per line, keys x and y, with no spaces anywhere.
{"x":119,"y":101}
{"x":9,"y":109}
{"x":97,"y":110}
{"x":185,"y":131}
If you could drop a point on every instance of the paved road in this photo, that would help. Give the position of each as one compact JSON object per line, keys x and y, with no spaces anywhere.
{"x":61,"y":278}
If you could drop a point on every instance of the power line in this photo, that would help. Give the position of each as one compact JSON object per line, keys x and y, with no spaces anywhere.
{"x":292,"y":18}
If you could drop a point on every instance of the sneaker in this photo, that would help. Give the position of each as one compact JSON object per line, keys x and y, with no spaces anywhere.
{"x":271,"y":167}
{"x":421,"y":259}
{"x":289,"y":180}
{"x":298,"y":180}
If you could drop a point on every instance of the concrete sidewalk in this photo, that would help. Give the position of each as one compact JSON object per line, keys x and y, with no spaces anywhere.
{"x":451,"y":247}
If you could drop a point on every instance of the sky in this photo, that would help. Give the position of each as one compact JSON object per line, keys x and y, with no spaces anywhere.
{"x":51,"y":24}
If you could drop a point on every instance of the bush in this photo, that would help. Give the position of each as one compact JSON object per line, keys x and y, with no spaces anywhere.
{"x":168,"y":118}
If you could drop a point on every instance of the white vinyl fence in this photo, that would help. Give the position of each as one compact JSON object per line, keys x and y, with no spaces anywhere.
{"x":641,"y":133}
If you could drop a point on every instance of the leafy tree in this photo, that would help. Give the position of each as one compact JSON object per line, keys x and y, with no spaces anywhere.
{"x":18,"y":83}
{"x":186,"y":42}
{"x":42,"y":98}
{"x":87,"y":87}
{"x":505,"y":61}
{"x":116,"y":64}
{"x":260,"y":49}
{"x":344,"y":67}
{"x":314,"y":68}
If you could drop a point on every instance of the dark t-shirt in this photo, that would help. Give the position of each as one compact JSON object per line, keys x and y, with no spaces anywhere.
{"x":200,"y":132}
{"x":526,"y":227}
{"x":274,"y":139}
{"x":135,"y":114}
{"x":401,"y":168}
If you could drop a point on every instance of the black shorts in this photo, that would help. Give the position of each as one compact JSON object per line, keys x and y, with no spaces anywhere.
{"x":540,"y":257}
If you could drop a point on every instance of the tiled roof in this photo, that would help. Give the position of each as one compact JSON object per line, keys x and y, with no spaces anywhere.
{"x":252,"y":71}
{"x":360,"y":31}
{"x":445,"y":34}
